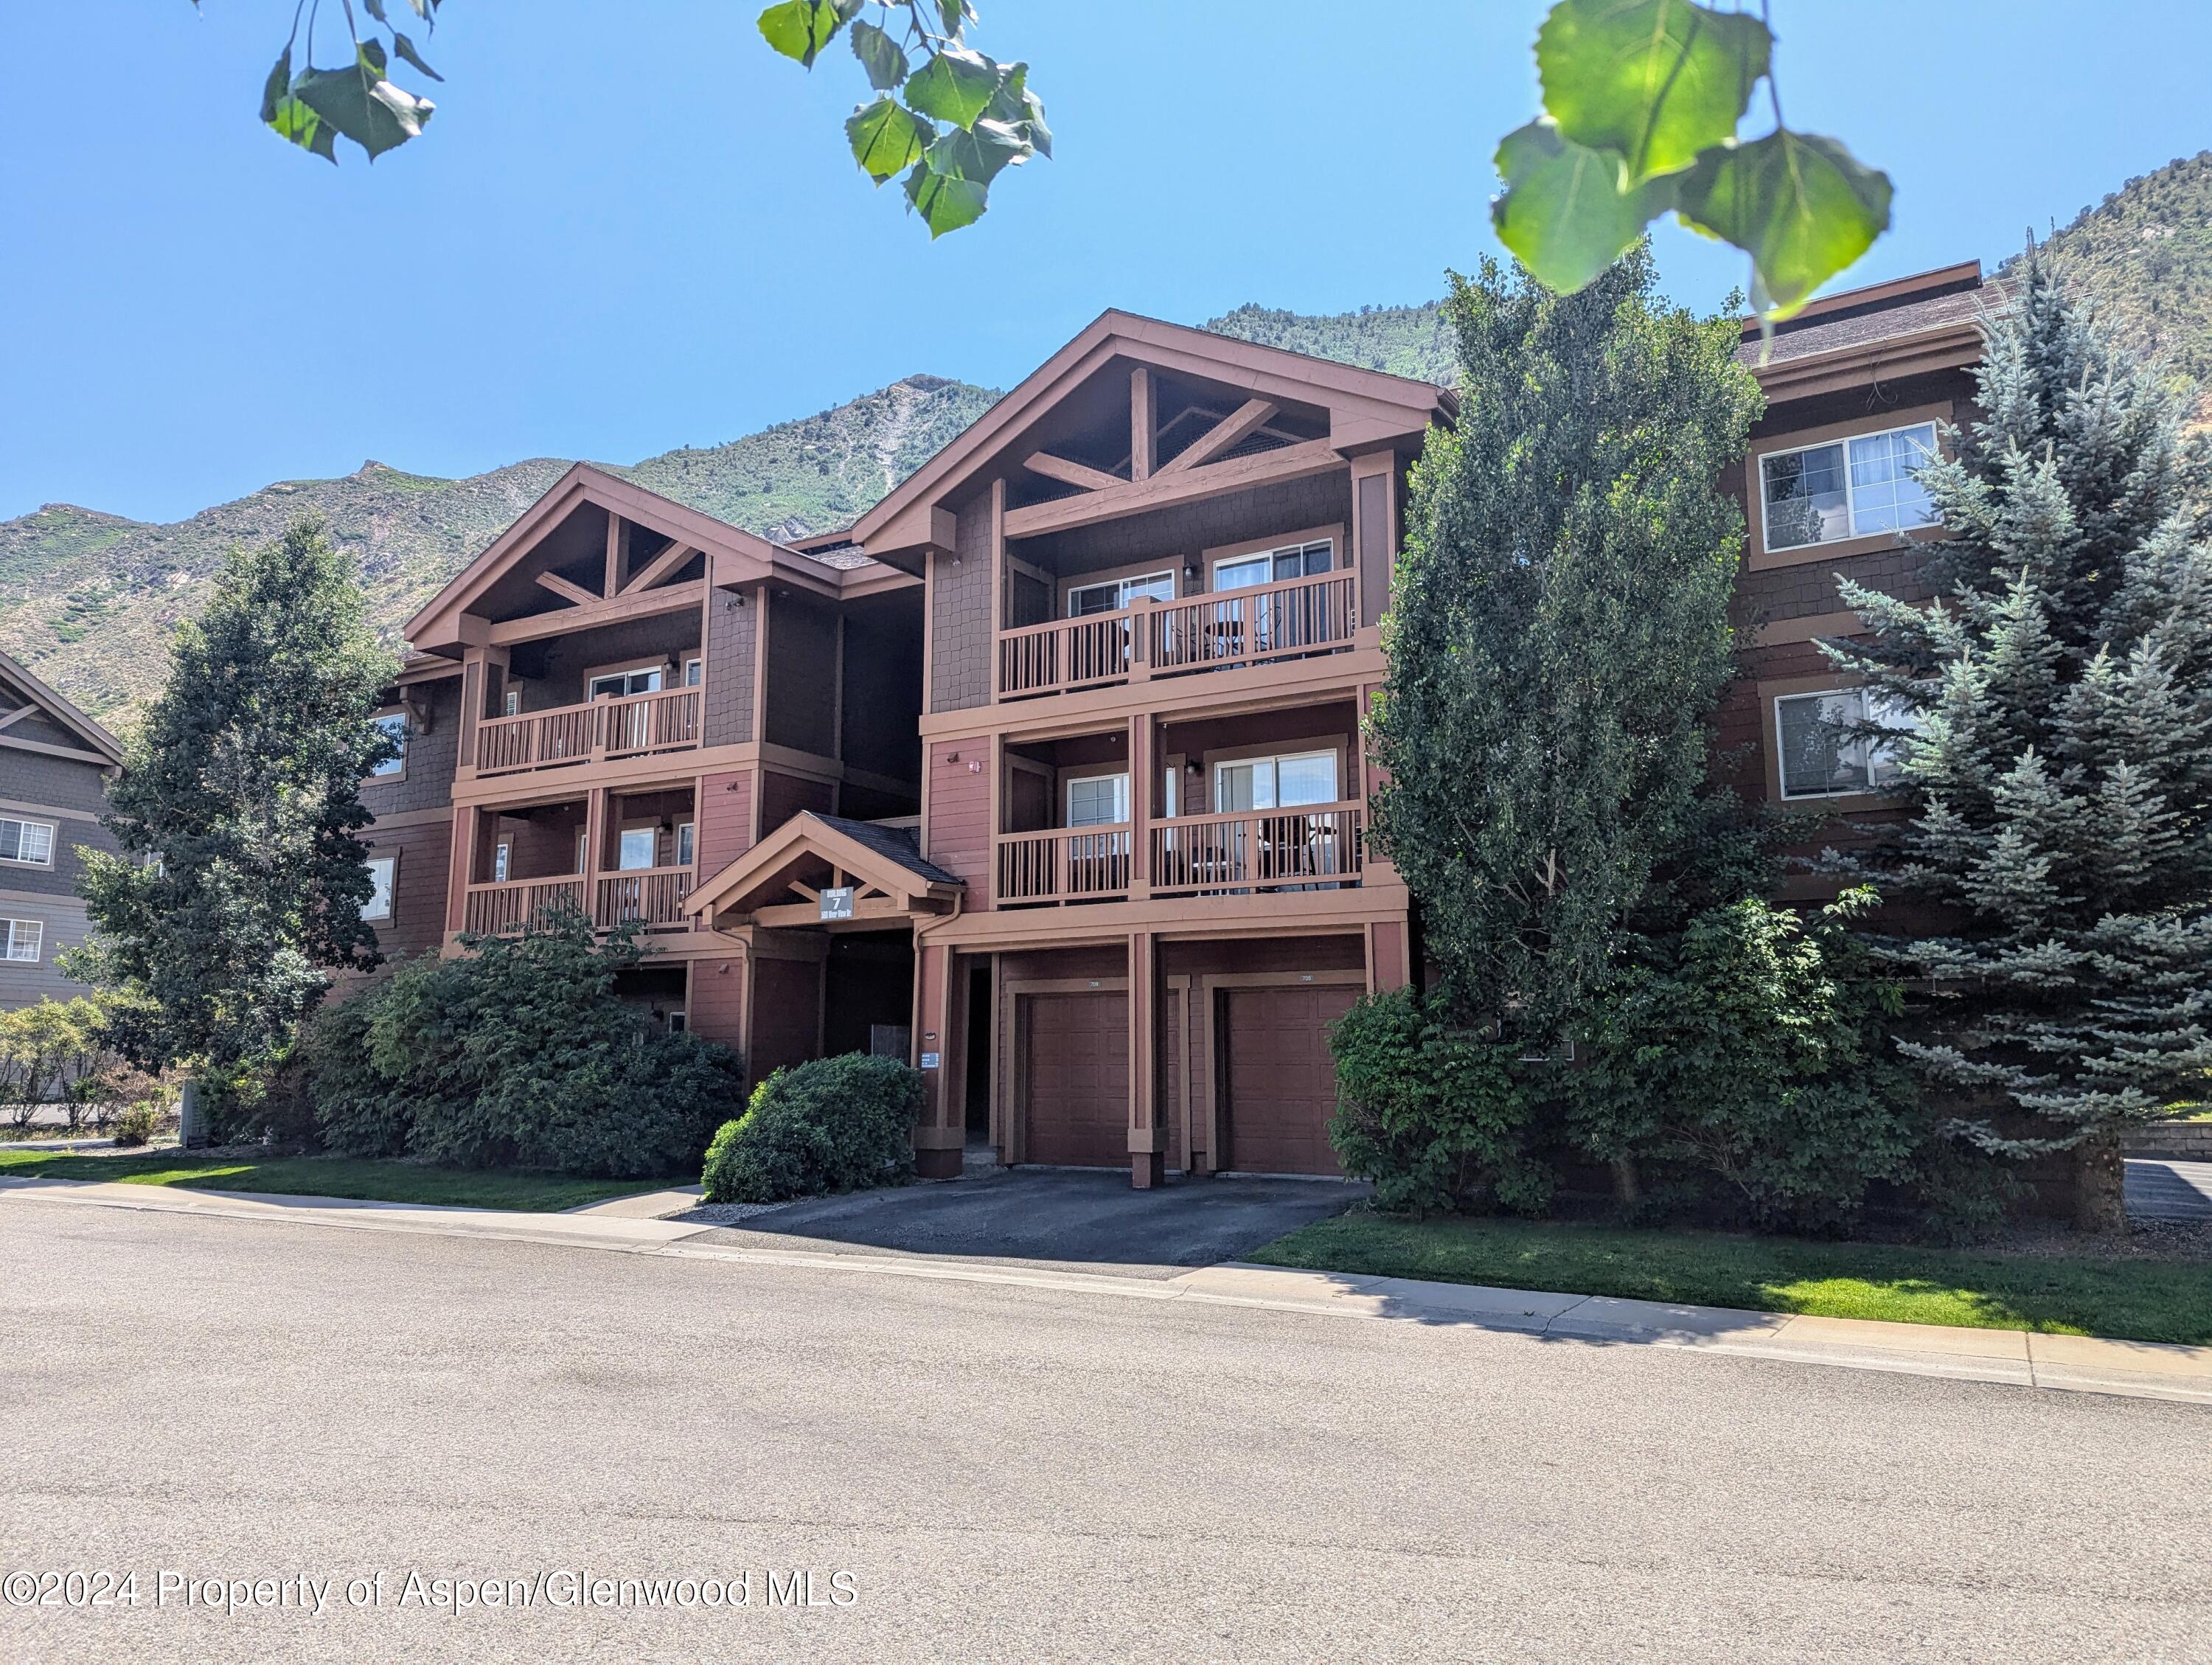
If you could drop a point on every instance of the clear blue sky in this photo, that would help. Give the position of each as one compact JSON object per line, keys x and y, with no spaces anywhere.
{"x":630,"y":227}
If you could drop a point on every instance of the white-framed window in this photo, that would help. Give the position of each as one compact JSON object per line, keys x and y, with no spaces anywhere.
{"x":1241,"y":572}
{"x":1116,"y":593}
{"x":1287,"y":782}
{"x":503,"y":861}
{"x":393,"y":727}
{"x":676,"y":1021}
{"x":1823,"y":749}
{"x":1850,"y":488}
{"x":29,"y":843}
{"x":382,"y":869}
{"x":583,"y":850}
{"x":687,"y":842}
{"x":511,"y":705}
{"x":1098,"y":801}
{"x":636,"y":849}
{"x":616,"y":683}
{"x":694,"y":672}
{"x":23,"y":938}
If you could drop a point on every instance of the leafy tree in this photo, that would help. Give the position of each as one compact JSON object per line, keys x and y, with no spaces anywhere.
{"x":1558,"y":634}
{"x":1742,"y":1062}
{"x":1642,"y":102}
{"x":241,"y":881}
{"x":2052,"y":721}
{"x":520,"y":1052}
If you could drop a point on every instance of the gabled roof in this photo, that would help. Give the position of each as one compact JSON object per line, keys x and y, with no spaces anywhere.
{"x":735,"y":556}
{"x":875,"y":857}
{"x":1367,"y":408}
{"x":57,"y":710}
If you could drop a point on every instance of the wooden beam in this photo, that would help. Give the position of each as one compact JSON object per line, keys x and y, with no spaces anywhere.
{"x":1291,"y":462}
{"x":668,"y":599}
{"x":576,"y":595}
{"x":806,"y":890}
{"x":17,"y":714}
{"x":1233,"y":428}
{"x":658,"y":568}
{"x":617,"y":546}
{"x":1143,"y":430}
{"x":1068,"y":473}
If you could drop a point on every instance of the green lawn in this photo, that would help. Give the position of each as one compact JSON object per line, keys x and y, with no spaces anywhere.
{"x":2085,"y":1295}
{"x":332,"y":1176}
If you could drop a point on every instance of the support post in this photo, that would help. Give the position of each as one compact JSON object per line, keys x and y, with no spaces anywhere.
{"x":1148,"y":1138}
{"x":942,"y":1132}
{"x":1142,"y":428}
{"x":1141,"y":785}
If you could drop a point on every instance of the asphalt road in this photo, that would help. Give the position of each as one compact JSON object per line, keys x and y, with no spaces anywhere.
{"x":1013,"y":1473}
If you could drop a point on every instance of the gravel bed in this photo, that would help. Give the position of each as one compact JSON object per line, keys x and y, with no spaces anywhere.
{"x":729,"y":1213}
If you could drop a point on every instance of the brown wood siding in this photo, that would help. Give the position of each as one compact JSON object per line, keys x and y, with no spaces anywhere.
{"x":958,"y":835}
{"x":725,"y":820}
{"x":1375,"y":544}
{"x":1168,"y":537}
{"x":717,"y":1007}
{"x":1280,"y":1081}
{"x":427,"y":782}
{"x":802,"y":675}
{"x":731,"y":625}
{"x":783,"y":796}
{"x":1076,"y":1087}
{"x":418,"y":899}
{"x":35,"y":778}
{"x":963,"y":634}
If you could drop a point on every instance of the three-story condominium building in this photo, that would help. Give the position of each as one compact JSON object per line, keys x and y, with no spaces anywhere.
{"x":1047,"y":773}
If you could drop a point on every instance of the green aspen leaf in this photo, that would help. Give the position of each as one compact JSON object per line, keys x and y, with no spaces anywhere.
{"x":405,"y":48}
{"x":887,"y":138}
{"x":293,"y":120}
{"x":1563,"y":213}
{"x":1656,"y":80}
{"x":952,"y":13}
{"x":375,"y":8}
{"x":980,"y":154}
{"x":1021,"y":109}
{"x":956,"y":85}
{"x":1801,"y":205}
{"x":880,"y":54}
{"x":945,"y":204}
{"x":360,"y":104}
{"x":801,"y":28}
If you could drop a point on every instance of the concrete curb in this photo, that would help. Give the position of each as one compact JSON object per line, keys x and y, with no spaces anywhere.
{"x":2015,"y":1357}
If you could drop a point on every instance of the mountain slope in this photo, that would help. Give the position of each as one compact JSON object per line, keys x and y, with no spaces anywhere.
{"x":2144,"y":255}
{"x":1406,"y":341}
{"x":88,"y":600}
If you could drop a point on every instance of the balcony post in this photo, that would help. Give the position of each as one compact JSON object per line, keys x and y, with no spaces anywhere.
{"x":1141,"y":640}
{"x":594,"y":836}
{"x":1141,"y":785}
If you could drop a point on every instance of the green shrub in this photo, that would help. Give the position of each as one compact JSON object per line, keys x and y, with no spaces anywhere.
{"x":1745,"y":1068}
{"x":1431,"y":1113}
{"x":134,"y":1124}
{"x":837,"y":1124}
{"x":518,"y":1054}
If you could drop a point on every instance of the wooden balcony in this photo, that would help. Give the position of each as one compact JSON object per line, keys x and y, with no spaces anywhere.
{"x":1174,"y":638}
{"x":1086,"y":864}
{"x":1285,"y":850}
{"x":650,"y":896}
{"x":630,"y":727}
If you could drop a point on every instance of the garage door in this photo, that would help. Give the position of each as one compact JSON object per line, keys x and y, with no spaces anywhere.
{"x":1077,"y":1090}
{"x":1281,"y":1085}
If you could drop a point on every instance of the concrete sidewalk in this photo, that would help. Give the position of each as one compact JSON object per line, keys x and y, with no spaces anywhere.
{"x":2016,"y":1358}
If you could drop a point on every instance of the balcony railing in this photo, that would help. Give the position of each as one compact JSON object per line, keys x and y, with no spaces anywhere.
{"x":1198,"y":632}
{"x":627,"y":727}
{"x":1285,"y":850}
{"x":650,"y":896}
{"x":1084,"y":864}
{"x":491,"y":909}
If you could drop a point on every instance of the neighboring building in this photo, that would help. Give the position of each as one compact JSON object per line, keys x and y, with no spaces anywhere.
{"x":55,"y":764}
{"x":1047,"y":772}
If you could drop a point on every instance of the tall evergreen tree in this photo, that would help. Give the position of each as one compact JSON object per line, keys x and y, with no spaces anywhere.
{"x":2060,"y":774}
{"x":1559,"y":632}
{"x":244,"y":783}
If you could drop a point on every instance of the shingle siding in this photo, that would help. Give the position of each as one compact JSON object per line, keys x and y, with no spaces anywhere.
{"x":961,"y":626}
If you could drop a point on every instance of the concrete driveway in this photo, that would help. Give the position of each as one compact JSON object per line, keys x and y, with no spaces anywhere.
{"x":2161,"y":1189}
{"x":1055,"y":1216}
